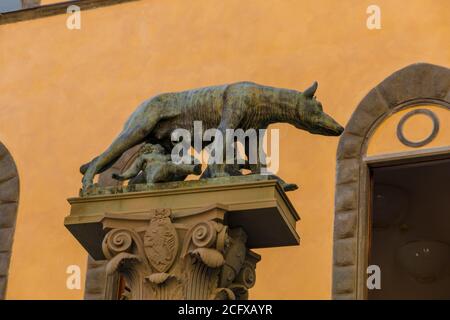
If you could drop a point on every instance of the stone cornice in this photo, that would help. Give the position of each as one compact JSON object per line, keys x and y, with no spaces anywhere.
{"x":54,"y":9}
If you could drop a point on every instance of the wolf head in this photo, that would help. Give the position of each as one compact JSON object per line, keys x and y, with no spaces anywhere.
{"x":310,"y":115}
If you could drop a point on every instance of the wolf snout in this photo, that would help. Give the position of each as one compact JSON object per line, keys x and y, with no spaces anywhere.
{"x":339,"y":130}
{"x":330,"y":127}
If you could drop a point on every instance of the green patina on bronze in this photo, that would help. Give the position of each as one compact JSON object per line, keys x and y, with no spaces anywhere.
{"x":243,"y":105}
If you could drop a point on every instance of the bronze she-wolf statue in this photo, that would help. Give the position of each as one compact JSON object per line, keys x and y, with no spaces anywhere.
{"x":242,"y":105}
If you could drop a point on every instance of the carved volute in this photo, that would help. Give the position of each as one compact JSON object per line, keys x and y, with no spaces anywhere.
{"x":160,"y":259}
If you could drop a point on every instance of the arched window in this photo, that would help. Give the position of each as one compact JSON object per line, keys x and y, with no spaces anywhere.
{"x":372,"y":150}
{"x":9,"y":197}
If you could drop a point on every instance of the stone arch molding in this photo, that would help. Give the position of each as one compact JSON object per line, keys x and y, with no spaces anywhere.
{"x":9,"y":197}
{"x":412,"y":85}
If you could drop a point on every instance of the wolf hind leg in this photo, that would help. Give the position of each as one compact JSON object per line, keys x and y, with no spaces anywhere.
{"x":121,"y":144}
{"x":134,"y":133}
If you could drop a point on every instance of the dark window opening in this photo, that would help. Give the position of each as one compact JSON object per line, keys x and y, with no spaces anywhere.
{"x":410,"y":230}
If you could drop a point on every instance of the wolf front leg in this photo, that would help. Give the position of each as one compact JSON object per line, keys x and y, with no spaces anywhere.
{"x":252,"y":153}
{"x":232,"y":115}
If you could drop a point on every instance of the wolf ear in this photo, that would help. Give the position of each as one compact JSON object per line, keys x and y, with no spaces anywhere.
{"x":309,"y":93}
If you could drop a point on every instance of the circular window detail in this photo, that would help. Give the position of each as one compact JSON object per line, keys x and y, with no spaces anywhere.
{"x":416,"y":144}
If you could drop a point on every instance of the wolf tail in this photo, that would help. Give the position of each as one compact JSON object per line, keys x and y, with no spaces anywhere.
{"x":84,"y":167}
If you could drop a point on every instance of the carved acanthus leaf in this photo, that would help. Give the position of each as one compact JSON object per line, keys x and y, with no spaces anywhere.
{"x":120,"y":260}
{"x":211,"y":257}
{"x":159,"y":278}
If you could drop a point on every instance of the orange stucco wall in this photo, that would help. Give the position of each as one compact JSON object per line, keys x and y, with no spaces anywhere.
{"x":44,"y":2}
{"x":66,"y":93}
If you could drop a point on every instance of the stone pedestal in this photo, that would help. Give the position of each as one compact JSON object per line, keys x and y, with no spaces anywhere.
{"x":184,"y":240}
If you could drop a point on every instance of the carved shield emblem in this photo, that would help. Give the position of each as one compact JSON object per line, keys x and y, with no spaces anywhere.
{"x":161,"y":241}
